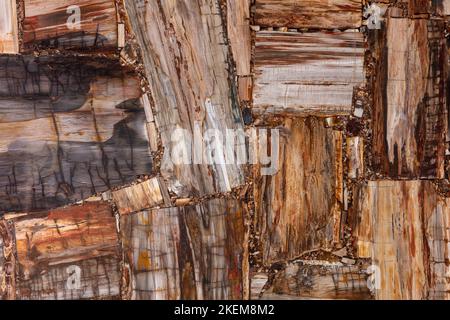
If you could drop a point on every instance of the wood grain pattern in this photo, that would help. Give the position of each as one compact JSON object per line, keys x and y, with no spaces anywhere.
{"x":9,"y":42}
{"x":422,"y":8}
{"x":437,"y":230}
{"x":239,"y":35}
{"x":321,"y":14}
{"x":299,"y":208}
{"x":46,"y":25}
{"x":390,"y":233}
{"x":245,"y":86}
{"x":192,"y":252}
{"x":238,"y":25}
{"x":307,"y":73}
{"x":50,"y":244}
{"x":319,"y":279}
{"x":404,"y":223}
{"x":409,"y":126}
{"x":145,"y":195}
{"x":69,"y":128}
{"x":436,"y":224}
{"x":355,"y":157}
{"x":186,"y":60}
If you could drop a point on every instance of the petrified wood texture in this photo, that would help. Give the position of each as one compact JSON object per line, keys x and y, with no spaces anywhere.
{"x":54,"y":24}
{"x":193,"y":252}
{"x":7,"y":261}
{"x":299,"y":208}
{"x":307,"y":73}
{"x":404,"y":223}
{"x":238,"y":26}
{"x":145,"y":195}
{"x":417,"y":7}
{"x":409,"y":122}
{"x":390,"y":233}
{"x":9,"y":42}
{"x":319,"y":279}
{"x":441,"y":7}
{"x":239,"y":35}
{"x":437,"y":230}
{"x":69,"y":128}
{"x":422,"y":8}
{"x":314,"y":14}
{"x":355,"y":157}
{"x":54,"y":248}
{"x":186,"y":59}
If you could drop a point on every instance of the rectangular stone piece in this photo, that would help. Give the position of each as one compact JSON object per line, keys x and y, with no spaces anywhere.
{"x":409,"y":113}
{"x":70,"y":127}
{"x":187,"y":62}
{"x":69,"y":253}
{"x":144,"y":195}
{"x":398,"y":224}
{"x":314,"y":14}
{"x":307,"y":73}
{"x":192,"y":252}
{"x":70,"y":25}
{"x":299,"y":207}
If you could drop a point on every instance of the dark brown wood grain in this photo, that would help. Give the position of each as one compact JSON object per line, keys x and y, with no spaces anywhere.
{"x":319,"y":279}
{"x":145,"y":195}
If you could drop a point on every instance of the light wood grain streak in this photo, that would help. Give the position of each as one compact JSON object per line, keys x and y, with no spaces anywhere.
{"x":299,"y":207}
{"x":9,"y":42}
{"x":307,"y":74}
{"x":186,"y":60}
{"x":45,"y":25}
